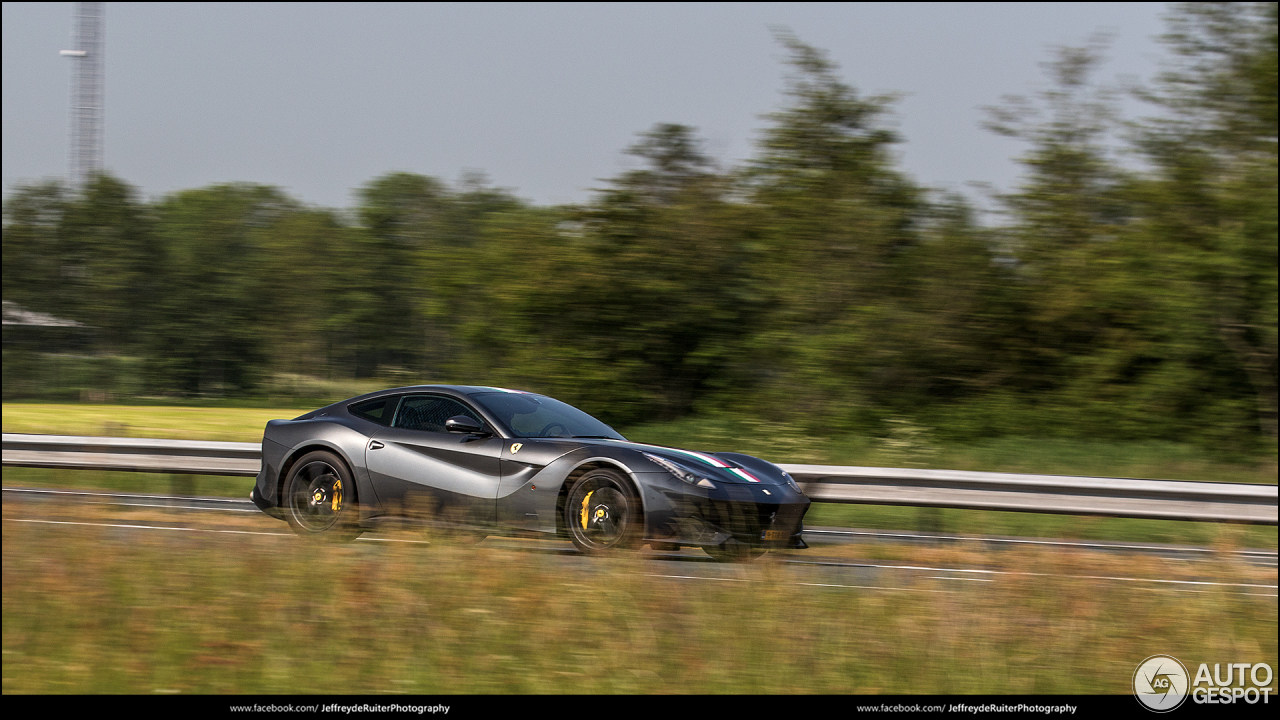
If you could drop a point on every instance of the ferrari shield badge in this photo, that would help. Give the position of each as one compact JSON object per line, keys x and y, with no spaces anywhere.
{"x":515,"y":447}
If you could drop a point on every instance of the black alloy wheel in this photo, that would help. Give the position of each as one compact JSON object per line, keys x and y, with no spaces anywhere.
{"x":603,"y":513}
{"x":320,"y":498}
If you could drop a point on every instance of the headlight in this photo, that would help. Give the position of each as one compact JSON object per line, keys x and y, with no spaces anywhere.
{"x":791,"y":481}
{"x":681,"y":472}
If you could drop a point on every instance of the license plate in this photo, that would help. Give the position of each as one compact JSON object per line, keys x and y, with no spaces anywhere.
{"x":775,"y":535}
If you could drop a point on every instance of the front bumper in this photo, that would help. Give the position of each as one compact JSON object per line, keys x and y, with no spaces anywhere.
{"x":769,"y":516}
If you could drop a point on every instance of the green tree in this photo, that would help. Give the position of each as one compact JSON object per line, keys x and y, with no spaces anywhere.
{"x":310,"y":277}
{"x":1213,"y":199}
{"x":1149,"y":296}
{"x":208,"y":337}
{"x":403,"y":218}
{"x":33,"y":263}
{"x":1076,"y":291}
{"x":631,"y":305}
{"x":423,"y":246}
{"x":839,"y":222}
{"x":108,"y":235}
{"x":665,"y":285}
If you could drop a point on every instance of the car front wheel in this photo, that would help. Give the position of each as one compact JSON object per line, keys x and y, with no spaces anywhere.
{"x":603,"y":513}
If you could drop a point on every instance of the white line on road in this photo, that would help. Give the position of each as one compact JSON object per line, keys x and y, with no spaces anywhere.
{"x":877,"y":587}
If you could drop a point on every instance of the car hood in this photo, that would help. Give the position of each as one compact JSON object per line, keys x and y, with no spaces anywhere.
{"x":722,"y":466}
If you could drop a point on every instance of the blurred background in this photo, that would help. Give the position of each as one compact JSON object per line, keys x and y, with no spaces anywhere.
{"x":1121,"y":288}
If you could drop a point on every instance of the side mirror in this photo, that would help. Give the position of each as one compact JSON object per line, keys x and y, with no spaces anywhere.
{"x":464,"y":424}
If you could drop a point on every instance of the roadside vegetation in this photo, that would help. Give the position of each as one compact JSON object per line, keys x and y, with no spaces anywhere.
{"x":103,"y":610}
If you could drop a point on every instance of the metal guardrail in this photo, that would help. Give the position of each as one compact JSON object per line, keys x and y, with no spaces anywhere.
{"x":1117,"y":497}
{"x":197,"y":457}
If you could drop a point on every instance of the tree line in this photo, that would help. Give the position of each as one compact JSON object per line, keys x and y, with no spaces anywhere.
{"x":1129,"y":290}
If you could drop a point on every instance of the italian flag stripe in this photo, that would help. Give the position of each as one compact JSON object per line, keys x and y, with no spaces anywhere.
{"x":714,"y":462}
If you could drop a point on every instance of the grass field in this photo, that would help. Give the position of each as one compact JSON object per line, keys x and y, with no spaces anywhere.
{"x":104,"y":610}
{"x":911,"y":448}
{"x":182,"y":423}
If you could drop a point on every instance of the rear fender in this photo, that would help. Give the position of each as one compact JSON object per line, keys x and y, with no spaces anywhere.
{"x":346,"y":443}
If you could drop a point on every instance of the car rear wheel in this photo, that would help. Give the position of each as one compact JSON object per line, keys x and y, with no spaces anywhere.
{"x":603,"y":513}
{"x":319,"y":498}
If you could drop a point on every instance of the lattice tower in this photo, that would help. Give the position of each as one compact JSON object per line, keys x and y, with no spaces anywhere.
{"x":87,"y":78}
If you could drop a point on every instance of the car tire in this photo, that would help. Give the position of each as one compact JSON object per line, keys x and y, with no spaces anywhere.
{"x":733,"y":552}
{"x":603,"y":513}
{"x":320,"y":498}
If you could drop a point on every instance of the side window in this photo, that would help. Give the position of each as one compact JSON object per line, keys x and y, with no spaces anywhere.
{"x":429,"y":412}
{"x":378,"y":411}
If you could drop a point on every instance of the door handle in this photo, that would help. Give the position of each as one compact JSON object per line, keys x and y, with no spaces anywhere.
{"x":374,"y":445}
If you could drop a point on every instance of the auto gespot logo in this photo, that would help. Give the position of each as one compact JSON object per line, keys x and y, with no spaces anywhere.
{"x":1161,"y":683}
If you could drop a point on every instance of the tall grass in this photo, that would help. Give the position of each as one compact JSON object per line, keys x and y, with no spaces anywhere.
{"x":105,"y":610}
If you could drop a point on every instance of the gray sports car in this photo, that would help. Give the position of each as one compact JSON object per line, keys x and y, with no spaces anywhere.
{"x":486,"y":460}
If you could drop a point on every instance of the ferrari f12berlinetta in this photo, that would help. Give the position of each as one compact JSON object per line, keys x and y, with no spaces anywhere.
{"x":489,"y":460}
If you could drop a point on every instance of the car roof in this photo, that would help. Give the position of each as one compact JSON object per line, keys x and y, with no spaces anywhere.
{"x":451,"y":389}
{"x":464,"y":389}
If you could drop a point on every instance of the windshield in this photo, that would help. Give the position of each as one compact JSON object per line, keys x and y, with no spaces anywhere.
{"x":532,"y":416}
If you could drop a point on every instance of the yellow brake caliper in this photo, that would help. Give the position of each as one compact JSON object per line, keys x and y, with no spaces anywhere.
{"x":586,"y":500}
{"x":337,"y":495}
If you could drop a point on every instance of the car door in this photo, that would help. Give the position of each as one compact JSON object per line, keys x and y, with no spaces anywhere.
{"x":519,"y":497}
{"x":419,"y":468}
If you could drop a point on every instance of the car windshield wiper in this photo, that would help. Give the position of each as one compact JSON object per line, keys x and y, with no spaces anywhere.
{"x":595,"y":437}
